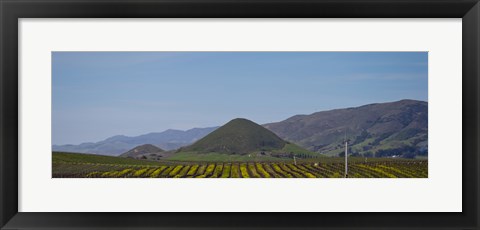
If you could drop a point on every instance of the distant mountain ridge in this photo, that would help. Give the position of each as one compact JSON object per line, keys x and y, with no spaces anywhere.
{"x":381,"y":129}
{"x":397,"y":128}
{"x":142,"y":150}
{"x":116,"y":145}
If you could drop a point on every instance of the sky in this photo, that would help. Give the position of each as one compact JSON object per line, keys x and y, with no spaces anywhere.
{"x":96,"y":95}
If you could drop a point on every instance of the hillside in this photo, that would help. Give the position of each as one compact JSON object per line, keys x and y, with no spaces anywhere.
{"x":239,"y":136}
{"x":116,"y":145}
{"x":142,"y":150}
{"x":383,"y":129}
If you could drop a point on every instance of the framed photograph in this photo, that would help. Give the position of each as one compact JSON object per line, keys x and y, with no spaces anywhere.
{"x":239,"y":114}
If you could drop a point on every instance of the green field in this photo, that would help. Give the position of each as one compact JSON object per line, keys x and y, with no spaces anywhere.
{"x":60,"y":157}
{"x":72,"y":165}
{"x":220,"y":157}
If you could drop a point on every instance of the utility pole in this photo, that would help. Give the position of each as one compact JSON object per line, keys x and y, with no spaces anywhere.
{"x":294,"y":160}
{"x":346,"y":155}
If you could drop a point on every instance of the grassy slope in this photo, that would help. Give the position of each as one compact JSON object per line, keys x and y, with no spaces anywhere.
{"x":386,"y":126}
{"x":239,"y":136}
{"x":250,"y":157}
{"x":295,"y":149}
{"x":239,"y":140}
{"x":221,"y":157}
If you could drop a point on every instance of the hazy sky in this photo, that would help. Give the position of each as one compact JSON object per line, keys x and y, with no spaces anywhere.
{"x":100,"y":94}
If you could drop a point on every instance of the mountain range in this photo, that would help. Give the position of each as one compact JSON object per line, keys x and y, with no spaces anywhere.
{"x":383,"y":129}
{"x":116,"y":145}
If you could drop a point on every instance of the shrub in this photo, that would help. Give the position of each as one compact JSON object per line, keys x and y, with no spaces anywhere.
{"x":244,"y":171}
{"x":125,"y":172}
{"x":253,"y":171}
{"x":201,"y":169}
{"x":209,"y":170}
{"x":287,"y":169}
{"x":279,"y":170}
{"x":234,"y":171}
{"x":218,"y":171}
{"x":183,"y":172}
{"x":175,"y":170}
{"x":93,"y":174}
{"x":262,"y":171}
{"x":226,"y":171}
{"x":157,"y":172}
{"x":336,"y":175}
{"x":140,"y":172}
{"x":149,"y":172}
{"x":305,"y":171}
{"x":192,"y":170}
{"x":167,"y":171}
{"x":110,"y":174}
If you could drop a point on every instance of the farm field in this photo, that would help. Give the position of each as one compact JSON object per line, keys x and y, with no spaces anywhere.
{"x":68,"y":165}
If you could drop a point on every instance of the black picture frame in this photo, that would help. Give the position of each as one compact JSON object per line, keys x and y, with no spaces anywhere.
{"x":12,"y":10}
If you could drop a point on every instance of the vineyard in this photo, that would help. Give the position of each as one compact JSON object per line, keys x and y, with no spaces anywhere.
{"x":387,"y":169}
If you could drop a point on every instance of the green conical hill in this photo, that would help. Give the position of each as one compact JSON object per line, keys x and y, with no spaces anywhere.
{"x":239,"y":136}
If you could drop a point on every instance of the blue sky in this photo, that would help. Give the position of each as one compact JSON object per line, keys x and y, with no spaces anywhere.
{"x":100,"y":94}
